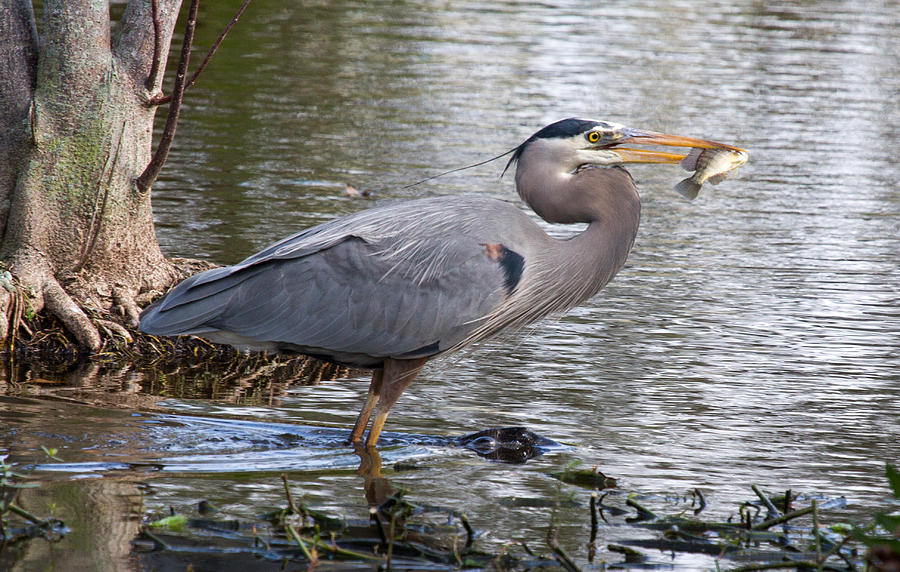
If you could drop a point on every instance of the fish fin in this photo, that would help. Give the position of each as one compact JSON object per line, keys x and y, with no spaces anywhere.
{"x":688,"y":189}
{"x":689,"y":163}
{"x":722,"y":176}
{"x":716,"y":179}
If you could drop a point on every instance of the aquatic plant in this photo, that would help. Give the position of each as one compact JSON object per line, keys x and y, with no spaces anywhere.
{"x":882,"y":537}
{"x":28,"y":525}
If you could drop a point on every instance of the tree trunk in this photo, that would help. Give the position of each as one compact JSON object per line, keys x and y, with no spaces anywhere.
{"x":78,"y":236}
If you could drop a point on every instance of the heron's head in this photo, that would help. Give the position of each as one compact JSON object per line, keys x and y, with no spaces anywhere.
{"x":570,"y":171}
{"x":572,"y":144}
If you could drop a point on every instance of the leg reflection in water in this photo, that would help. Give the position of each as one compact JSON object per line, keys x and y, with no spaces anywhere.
{"x":378,"y":488}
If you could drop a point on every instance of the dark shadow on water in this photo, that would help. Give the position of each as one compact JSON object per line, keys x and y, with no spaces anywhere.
{"x":125,"y":386}
{"x":114,"y":426}
{"x":210,"y":372}
{"x":507,"y":444}
{"x":157,"y":440}
{"x":188,"y":444}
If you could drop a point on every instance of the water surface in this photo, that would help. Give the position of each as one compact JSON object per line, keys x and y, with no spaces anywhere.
{"x":752,"y":338}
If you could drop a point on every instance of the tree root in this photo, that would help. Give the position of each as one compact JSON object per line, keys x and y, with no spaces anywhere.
{"x":5,"y":299}
{"x":93,"y":309}
{"x":61,"y":305}
{"x":13,"y":300}
{"x":59,"y":323}
{"x":16,"y":305}
{"x":113,"y":328}
{"x":125,"y":303}
{"x":45,"y":324}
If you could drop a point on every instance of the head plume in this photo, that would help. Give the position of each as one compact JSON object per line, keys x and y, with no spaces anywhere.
{"x":563,"y":128}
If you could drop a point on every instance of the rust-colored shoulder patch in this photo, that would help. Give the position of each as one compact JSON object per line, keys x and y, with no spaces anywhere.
{"x":494,"y":251}
{"x":511,"y":262}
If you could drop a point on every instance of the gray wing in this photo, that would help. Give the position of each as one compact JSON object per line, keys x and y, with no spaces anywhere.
{"x":406,"y":280}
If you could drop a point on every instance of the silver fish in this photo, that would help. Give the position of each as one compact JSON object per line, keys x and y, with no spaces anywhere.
{"x":709,"y":165}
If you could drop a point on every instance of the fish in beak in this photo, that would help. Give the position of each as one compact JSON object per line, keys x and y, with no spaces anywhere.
{"x":710,"y":161}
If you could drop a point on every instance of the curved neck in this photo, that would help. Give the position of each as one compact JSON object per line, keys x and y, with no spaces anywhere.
{"x":593,"y":257}
{"x":560,"y":274}
{"x":606,"y":199}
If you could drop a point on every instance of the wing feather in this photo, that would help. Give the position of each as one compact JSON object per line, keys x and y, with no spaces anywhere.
{"x":386,"y":282}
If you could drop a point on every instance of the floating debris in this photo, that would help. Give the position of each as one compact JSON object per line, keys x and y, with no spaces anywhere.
{"x":590,"y":478}
{"x":507,"y":444}
{"x":352,"y":191}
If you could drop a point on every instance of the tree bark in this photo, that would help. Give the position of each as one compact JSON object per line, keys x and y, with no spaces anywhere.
{"x":78,"y":237}
{"x":18,"y":66}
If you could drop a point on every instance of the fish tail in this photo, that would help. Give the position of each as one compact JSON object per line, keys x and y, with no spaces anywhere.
{"x":688,"y":189}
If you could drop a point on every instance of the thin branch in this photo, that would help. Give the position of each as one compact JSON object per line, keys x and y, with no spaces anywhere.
{"x":815,"y":530}
{"x":157,"y":46}
{"x":218,"y":42}
{"x":783,"y":518}
{"x":773,"y":511}
{"x":287,"y":493}
{"x":592,"y":546}
{"x":701,"y":500}
{"x":644,"y":513}
{"x":470,"y":533}
{"x":165,"y":143}
{"x":299,"y":540}
{"x":373,"y":515}
{"x":100,"y":202}
{"x":166,"y":99}
{"x":795,"y":564}
{"x":24,"y":513}
{"x":561,"y":556}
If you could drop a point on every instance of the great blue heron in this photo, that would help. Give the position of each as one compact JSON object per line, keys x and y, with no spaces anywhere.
{"x":390,"y":287}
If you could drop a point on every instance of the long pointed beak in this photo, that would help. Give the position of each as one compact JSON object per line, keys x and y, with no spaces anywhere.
{"x":641,"y":137}
{"x":653,"y":138}
{"x":629,"y":155}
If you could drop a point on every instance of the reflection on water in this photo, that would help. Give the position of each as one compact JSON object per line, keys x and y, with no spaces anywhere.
{"x":753,"y":337}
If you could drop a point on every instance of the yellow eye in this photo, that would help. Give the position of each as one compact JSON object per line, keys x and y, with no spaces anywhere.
{"x":593,"y":137}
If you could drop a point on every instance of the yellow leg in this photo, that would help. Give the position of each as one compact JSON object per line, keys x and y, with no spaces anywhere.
{"x":397,"y":375}
{"x":377,"y":426}
{"x":371,"y":402}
